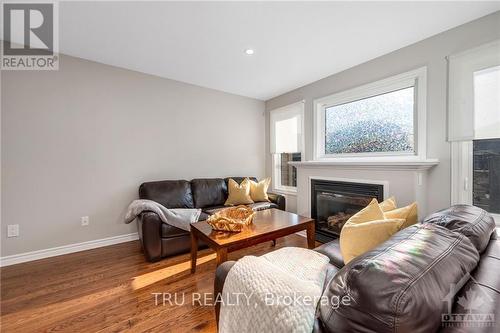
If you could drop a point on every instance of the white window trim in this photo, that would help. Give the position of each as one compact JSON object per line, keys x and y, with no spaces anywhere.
{"x":417,"y":78}
{"x":462,"y":176}
{"x":276,"y":162}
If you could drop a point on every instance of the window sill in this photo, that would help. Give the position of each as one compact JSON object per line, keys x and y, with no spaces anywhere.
{"x":285,"y":192}
{"x":393,"y":164}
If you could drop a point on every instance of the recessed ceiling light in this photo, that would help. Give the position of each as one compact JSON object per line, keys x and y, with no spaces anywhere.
{"x":249,"y":51}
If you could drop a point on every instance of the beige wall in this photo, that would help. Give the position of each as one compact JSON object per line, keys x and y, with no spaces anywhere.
{"x":80,"y":140}
{"x":430,"y":52}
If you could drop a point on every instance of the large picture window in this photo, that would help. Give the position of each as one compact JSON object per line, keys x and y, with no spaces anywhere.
{"x":378,"y":124}
{"x":384,"y":118}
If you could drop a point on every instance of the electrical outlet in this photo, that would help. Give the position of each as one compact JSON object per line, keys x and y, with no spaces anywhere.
{"x":85,"y":220}
{"x":13,"y":230}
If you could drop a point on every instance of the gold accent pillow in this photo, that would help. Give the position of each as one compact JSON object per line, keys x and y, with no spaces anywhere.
{"x":369,"y":213}
{"x":358,"y":238}
{"x":238,"y":194}
{"x":388,"y":204}
{"x":258,"y":191}
{"x":409,"y":213}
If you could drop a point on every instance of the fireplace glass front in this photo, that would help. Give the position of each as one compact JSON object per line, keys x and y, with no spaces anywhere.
{"x":334,"y":202}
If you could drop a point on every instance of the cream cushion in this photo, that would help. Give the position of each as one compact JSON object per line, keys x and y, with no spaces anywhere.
{"x":388,"y":204}
{"x":408,"y":213}
{"x":258,"y":191}
{"x":358,"y":238}
{"x":238,"y":194}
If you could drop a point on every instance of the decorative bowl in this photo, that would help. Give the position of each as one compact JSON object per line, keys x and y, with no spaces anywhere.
{"x":231,"y":219}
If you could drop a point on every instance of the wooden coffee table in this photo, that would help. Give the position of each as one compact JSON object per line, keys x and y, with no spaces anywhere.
{"x":267,"y":225}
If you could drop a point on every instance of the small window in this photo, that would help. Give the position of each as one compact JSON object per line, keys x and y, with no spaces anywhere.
{"x":288,"y":173}
{"x":383,"y":118}
{"x":286,"y":142}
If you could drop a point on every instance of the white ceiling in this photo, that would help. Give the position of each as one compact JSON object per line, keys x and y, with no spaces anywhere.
{"x":295,"y":42}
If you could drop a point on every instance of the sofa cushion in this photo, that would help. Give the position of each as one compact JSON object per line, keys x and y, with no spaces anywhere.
{"x":485,"y":290}
{"x":388,"y":204}
{"x":213,"y":210}
{"x":255,"y":206}
{"x":238,"y":179}
{"x":262,"y":205}
{"x":371,"y":212}
{"x":209,"y":192}
{"x":408,"y":213}
{"x":332,"y":251}
{"x":169,"y":193}
{"x":475,"y":223}
{"x":203,"y":216}
{"x":170,"y":231}
{"x":359,"y":238}
{"x":400,"y":285}
{"x":258,"y":190}
{"x":238,"y":194}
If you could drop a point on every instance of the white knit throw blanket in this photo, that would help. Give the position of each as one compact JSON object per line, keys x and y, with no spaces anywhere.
{"x":259,"y":292}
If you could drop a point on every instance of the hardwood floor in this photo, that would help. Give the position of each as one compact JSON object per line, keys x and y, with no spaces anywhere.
{"x":111,"y":289}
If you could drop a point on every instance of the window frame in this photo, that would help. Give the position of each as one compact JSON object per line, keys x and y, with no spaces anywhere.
{"x":276,"y":157}
{"x":276,"y":176}
{"x":416,"y":78}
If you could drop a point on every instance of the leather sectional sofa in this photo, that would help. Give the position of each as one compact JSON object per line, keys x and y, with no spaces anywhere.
{"x":160,"y":240}
{"x":442,"y":275}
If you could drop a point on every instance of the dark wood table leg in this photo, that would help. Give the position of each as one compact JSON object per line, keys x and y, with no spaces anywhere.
{"x":194,"y":251}
{"x":310,"y":236}
{"x":221,"y":255}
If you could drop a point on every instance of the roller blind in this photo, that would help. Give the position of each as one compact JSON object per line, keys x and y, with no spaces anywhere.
{"x":286,"y":125}
{"x":464,"y":77}
{"x":487,"y":103}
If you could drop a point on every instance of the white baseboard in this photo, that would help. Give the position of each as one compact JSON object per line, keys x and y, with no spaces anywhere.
{"x":65,"y":249}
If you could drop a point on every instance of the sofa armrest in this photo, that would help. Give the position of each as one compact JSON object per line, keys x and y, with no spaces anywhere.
{"x":150,"y":224}
{"x":278,"y":199}
{"x":220,"y":276}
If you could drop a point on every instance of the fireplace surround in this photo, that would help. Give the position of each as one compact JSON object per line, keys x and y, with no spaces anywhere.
{"x":333,"y":202}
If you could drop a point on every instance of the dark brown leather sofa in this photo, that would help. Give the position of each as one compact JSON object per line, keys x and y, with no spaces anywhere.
{"x":160,"y":240}
{"x":439,"y":276}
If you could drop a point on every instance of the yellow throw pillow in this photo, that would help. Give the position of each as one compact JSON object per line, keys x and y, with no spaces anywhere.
{"x":238,"y":194}
{"x":409,"y":213}
{"x":369,"y":213}
{"x":356,"y":239}
{"x":258,"y":191}
{"x":388,"y":204}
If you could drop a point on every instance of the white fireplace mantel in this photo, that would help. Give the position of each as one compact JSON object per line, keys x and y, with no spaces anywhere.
{"x":404,"y":178}
{"x":409,"y":165}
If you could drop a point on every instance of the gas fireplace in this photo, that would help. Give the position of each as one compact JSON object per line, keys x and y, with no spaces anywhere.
{"x":334,"y":202}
